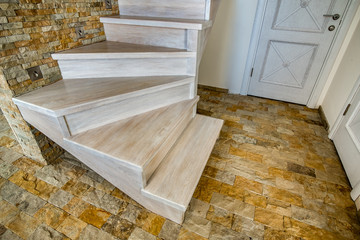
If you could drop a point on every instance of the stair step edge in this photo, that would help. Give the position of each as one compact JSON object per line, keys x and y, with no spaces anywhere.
{"x":121,"y":50}
{"x":157,"y":22}
{"x":102,"y":101}
{"x":159,"y":185}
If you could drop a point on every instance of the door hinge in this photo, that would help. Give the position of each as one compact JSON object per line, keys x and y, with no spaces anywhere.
{"x":252,"y":71}
{"x":347,"y":109}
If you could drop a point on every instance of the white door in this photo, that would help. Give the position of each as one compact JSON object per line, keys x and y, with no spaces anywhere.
{"x":295,"y":39}
{"x":347,"y":143}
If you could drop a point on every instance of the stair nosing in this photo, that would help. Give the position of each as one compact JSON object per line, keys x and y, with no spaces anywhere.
{"x":102,"y":101}
{"x":164,"y":200}
{"x":155,"y":22}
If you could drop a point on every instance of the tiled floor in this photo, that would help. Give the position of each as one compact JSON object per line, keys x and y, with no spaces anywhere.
{"x":273,"y":175}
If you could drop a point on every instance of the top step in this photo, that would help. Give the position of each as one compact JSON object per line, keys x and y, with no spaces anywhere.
{"x":158,"y":22}
{"x":187,"y":9}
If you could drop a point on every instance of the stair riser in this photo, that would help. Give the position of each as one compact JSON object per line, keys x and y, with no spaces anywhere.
{"x":191,"y":9}
{"x":156,"y":160}
{"x":154,"y":36}
{"x":99,"y":116}
{"x":81,"y":68}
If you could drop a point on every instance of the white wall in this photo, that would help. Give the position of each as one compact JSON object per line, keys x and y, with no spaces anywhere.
{"x":344,"y":79}
{"x":224,"y":59}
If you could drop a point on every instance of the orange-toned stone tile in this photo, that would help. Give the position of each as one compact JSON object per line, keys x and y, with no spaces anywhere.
{"x":276,"y":172}
{"x":232,"y":191}
{"x":306,"y":231}
{"x":205,"y":189}
{"x":71,"y":227}
{"x":150,"y":222}
{"x":269,"y":218}
{"x":94,"y":216}
{"x":7,"y":142}
{"x":187,"y":235}
{"x":255,"y":199}
{"x":274,"y":234}
{"x":7,"y":212}
{"x":76,"y":188}
{"x":220,"y":216}
{"x":283,"y":195}
{"x":314,"y":161}
{"x":76,"y":206}
{"x":27,"y":165}
{"x":51,"y":215}
{"x":247,"y":184}
{"x":23,"y":225}
{"x":246,"y":155}
{"x":17,"y":177}
{"x":210,"y":171}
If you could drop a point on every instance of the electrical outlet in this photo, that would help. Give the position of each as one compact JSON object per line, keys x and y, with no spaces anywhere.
{"x":108,"y":4}
{"x":80,"y":33}
{"x":34,"y":73}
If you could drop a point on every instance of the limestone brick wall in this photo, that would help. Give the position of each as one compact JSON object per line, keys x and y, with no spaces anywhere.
{"x":30,"y":30}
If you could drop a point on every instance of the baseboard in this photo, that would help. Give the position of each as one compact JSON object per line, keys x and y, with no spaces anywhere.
{"x":323,"y":119}
{"x":215,"y":89}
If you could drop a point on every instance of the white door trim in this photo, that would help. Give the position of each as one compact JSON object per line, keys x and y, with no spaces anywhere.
{"x":329,"y":61}
{"x":337,"y":123}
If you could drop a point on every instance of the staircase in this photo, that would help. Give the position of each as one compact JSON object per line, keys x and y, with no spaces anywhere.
{"x":127,"y":106}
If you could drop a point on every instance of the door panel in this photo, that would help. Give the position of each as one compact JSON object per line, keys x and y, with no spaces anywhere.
{"x":347,"y":141}
{"x":293,"y":45}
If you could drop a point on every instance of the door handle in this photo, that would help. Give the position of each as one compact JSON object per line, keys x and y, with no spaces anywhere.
{"x":333,"y":16}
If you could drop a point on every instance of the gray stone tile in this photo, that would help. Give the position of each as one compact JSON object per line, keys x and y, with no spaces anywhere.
{"x":93,"y":196}
{"x":8,"y":155}
{"x":9,"y":235}
{"x":198,"y":225}
{"x":139,"y":234}
{"x":219,"y":232}
{"x":29,"y":203}
{"x":170,"y":230}
{"x":110,"y":204}
{"x":60,"y":198}
{"x":44,"y":232}
{"x":7,"y":170}
{"x":53,"y":175}
{"x":11,"y":192}
{"x":198,"y":207}
{"x":91,"y":232}
{"x":118,"y":227}
{"x":131,"y":213}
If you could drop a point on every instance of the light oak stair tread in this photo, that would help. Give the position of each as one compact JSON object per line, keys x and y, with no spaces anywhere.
{"x":113,"y":50}
{"x":158,"y":22}
{"x":134,"y":141}
{"x":175,"y":180}
{"x":73,"y":95}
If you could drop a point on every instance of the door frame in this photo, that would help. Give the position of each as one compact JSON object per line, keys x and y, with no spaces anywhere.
{"x":337,"y":123}
{"x":329,"y":60}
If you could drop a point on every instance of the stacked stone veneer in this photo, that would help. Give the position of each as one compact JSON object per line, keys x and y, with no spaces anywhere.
{"x":30,"y":30}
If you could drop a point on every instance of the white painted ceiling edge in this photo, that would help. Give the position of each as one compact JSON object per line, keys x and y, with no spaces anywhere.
{"x":228,"y":57}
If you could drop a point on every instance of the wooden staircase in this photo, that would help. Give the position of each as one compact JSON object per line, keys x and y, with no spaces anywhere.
{"x":127,"y":106}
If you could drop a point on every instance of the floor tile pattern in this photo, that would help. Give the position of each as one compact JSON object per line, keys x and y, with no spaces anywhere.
{"x":273,"y":174}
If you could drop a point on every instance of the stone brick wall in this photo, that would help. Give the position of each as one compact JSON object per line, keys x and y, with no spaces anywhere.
{"x":30,"y":30}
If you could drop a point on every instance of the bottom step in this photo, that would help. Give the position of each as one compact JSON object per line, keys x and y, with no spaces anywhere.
{"x":175,"y":180}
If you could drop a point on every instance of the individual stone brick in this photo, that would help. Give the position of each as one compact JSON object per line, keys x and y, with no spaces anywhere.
{"x":269,"y":218}
{"x":170,"y":230}
{"x":72,"y":227}
{"x":6,"y":170}
{"x":60,"y":198}
{"x":95,"y":216}
{"x":293,"y":167}
{"x":118,"y":227}
{"x":139,"y":234}
{"x":91,"y":232}
{"x":51,"y":215}
{"x":197,"y":225}
{"x":220,"y":216}
{"x":21,"y":220}
{"x":219,"y":232}
{"x":44,"y":232}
